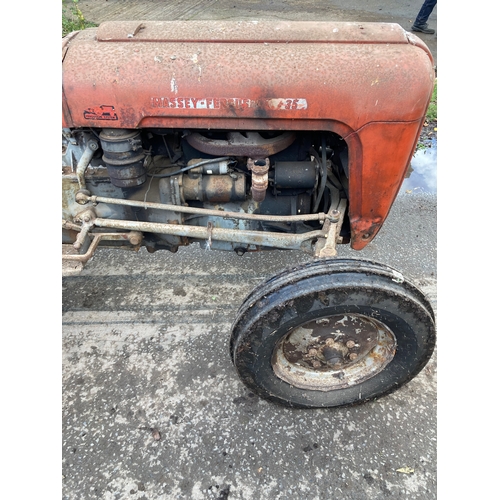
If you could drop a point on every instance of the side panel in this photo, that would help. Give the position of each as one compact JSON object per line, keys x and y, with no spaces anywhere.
{"x":375,"y":180}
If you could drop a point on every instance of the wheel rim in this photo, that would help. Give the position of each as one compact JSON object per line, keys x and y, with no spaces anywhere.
{"x":334,"y":352}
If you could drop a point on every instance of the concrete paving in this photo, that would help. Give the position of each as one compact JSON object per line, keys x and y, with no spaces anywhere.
{"x":152,"y":406}
{"x":145,"y":346}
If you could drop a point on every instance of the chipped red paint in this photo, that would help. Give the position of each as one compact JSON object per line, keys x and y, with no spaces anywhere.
{"x":368,"y":82}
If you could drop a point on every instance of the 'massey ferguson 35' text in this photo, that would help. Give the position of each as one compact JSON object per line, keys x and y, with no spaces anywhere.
{"x":276,"y":103}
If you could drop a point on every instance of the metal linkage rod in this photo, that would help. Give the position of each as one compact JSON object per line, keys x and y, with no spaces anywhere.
{"x":258,"y":238}
{"x":321,"y":217}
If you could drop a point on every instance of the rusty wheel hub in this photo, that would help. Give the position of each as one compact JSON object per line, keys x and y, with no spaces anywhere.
{"x":334,"y":352}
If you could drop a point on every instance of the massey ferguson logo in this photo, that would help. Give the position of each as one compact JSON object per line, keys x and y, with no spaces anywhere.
{"x":100,"y":113}
{"x":235,"y":103}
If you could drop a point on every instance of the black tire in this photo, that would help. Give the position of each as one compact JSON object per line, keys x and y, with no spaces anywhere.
{"x":332,"y":333}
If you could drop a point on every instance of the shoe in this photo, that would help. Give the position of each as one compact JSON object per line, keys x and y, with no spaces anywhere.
{"x":423,"y":29}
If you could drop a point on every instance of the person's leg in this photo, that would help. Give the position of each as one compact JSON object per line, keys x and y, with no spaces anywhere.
{"x":420,"y":23}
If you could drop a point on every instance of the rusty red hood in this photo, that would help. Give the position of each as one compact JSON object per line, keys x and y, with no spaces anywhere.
{"x":348,"y":72}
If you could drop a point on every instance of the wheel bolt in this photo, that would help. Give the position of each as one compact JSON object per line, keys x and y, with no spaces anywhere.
{"x":353,"y":355}
{"x":313,"y":352}
{"x":350,"y":344}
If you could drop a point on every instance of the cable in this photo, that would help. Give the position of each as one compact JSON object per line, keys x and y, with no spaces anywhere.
{"x":189,"y":167}
{"x":323,"y":173}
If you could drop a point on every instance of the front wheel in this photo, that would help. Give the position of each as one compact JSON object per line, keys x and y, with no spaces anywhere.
{"x":332,"y":333}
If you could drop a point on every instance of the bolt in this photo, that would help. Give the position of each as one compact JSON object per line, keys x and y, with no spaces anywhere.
{"x":350,"y":344}
{"x":86,"y":218}
{"x":135,"y":238}
{"x":353,"y":356}
{"x":313,"y":352}
{"x":82,"y":197}
{"x":316,"y":364}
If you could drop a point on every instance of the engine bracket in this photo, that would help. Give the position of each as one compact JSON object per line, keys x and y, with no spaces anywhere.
{"x":326,"y":247}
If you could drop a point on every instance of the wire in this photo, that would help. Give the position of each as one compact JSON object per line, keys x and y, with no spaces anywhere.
{"x":189,"y":167}
{"x":322,"y":162}
{"x":167,"y":148}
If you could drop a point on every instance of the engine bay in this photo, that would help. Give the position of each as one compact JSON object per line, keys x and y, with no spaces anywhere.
{"x":264,"y":176}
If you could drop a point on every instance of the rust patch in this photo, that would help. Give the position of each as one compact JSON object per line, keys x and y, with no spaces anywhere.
{"x":334,"y":353}
{"x":242,"y":143}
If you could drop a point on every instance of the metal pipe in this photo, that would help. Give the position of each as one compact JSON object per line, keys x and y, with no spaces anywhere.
{"x":260,"y":178}
{"x":207,"y":212}
{"x":87,"y":155}
{"x":97,"y":238}
{"x":283,"y":241}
